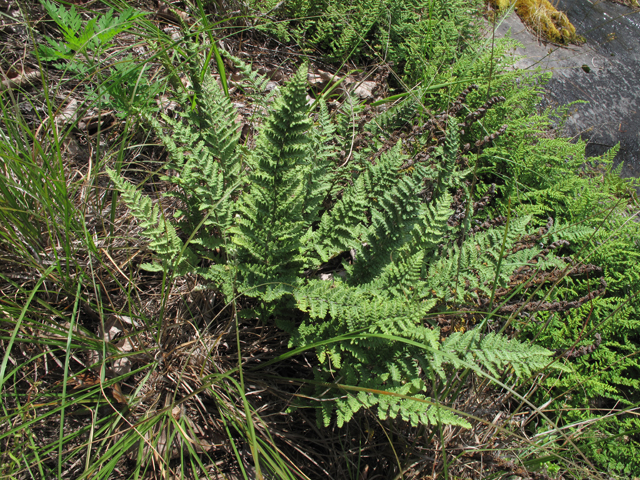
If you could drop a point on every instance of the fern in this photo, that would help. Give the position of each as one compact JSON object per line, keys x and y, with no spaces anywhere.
{"x":421,"y":35}
{"x":255,"y":82}
{"x":339,"y":229}
{"x":89,"y":39}
{"x":164,"y":238}
{"x":319,"y":177}
{"x":394,"y":215}
{"x":402,"y":260}
{"x":272,"y":219}
{"x":204,"y":149}
{"x":495,"y":353}
{"x":391,"y":364}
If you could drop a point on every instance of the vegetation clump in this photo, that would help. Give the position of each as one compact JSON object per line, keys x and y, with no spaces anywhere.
{"x":543,"y":19}
{"x":247,"y":277}
{"x":409,"y":259}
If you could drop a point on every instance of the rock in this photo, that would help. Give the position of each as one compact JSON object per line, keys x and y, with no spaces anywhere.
{"x":603,"y":71}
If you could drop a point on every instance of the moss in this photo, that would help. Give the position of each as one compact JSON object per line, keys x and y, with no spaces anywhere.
{"x":628,"y":3}
{"x":501,"y":4}
{"x":543,"y":18}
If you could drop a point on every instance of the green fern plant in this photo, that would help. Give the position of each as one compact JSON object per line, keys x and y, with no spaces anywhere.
{"x":269,"y":229}
{"x":87,"y":52}
{"x":87,"y":39}
{"x":271,"y":225}
{"x":423,"y":38}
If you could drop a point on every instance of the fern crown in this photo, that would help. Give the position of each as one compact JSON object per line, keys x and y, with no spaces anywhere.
{"x":268,"y":222}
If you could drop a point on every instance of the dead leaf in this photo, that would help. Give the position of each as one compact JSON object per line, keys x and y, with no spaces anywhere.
{"x":165,"y":104}
{"x":320,"y":79}
{"x":94,"y":123}
{"x":116,"y":327}
{"x":176,"y":412}
{"x":83,"y":380}
{"x":71,"y":146}
{"x":118,"y":396}
{"x":15,"y":79}
{"x":68,"y":113}
{"x":121,"y":366}
{"x":172,"y":16}
{"x":270,"y":86}
{"x":315,"y":79}
{"x":365,"y":90}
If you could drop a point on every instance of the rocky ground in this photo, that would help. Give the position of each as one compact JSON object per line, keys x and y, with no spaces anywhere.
{"x":604,"y":71}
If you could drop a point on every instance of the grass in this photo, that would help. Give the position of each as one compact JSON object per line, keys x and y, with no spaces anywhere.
{"x":109,"y":371}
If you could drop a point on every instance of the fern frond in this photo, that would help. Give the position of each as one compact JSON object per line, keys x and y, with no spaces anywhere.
{"x":163,"y":236}
{"x":340,"y":229}
{"x":433,"y":227}
{"x":473,"y":267}
{"x":448,"y":176}
{"x":339,"y":309}
{"x":496,"y":352}
{"x":393,"y":219}
{"x":319,"y":178}
{"x":272,"y":221}
{"x":256,"y":82}
{"x":203,"y":147}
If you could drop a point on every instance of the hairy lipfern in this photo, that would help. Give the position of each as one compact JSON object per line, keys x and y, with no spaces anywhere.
{"x":265,"y":223}
{"x":271,"y":219}
{"x":164,"y":238}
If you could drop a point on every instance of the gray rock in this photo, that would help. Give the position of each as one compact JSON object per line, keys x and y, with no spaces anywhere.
{"x":605,"y":71}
